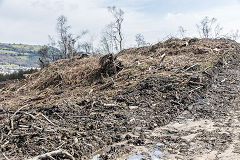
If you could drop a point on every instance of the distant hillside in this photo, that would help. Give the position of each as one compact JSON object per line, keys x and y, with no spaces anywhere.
{"x":19,"y":55}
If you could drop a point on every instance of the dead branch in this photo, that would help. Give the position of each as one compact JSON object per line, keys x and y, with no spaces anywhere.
{"x":36,"y":127}
{"x":193,"y":67}
{"x":32,"y":116}
{"x":196,"y":89}
{"x":5,"y":156}
{"x":61,"y":145}
{"x":53,"y":154}
{"x":4,"y":145}
{"x":110,"y":105}
{"x":12,"y":118}
{"x":47,"y":119}
{"x":162,"y":58}
{"x":52,"y":158}
{"x":105,"y":86}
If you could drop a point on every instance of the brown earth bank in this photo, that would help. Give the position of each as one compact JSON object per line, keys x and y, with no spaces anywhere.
{"x":177,"y":99}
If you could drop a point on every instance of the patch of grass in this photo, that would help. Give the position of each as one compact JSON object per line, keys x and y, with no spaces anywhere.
{"x":228,"y":54}
{"x":143,"y":67}
{"x":23,"y":57}
{"x":130,"y":71}
{"x":26,"y":54}
{"x":8,"y":65}
{"x":19,"y":54}
{"x":27,"y":47}
{"x":208,"y":64}
{"x":7,"y":52}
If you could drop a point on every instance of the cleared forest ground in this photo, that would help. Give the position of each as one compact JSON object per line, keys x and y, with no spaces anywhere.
{"x":174,"y":100}
{"x":208,"y":129}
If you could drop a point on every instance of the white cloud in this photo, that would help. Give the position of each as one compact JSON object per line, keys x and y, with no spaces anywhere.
{"x":227,"y":17}
{"x":31,"y":21}
{"x":157,"y":27}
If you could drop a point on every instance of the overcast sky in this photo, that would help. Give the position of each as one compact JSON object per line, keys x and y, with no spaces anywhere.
{"x":31,"y":21}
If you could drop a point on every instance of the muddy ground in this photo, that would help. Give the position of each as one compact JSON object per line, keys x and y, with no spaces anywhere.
{"x":192,"y":113}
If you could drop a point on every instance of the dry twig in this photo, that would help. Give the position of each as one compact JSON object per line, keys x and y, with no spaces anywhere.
{"x":13,"y":116}
{"x":53,"y":154}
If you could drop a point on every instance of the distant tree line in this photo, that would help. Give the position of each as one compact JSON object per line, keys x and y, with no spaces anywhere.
{"x":210,"y":28}
{"x":16,"y":75}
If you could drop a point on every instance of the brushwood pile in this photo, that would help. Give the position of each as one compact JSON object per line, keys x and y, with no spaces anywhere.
{"x":105,"y":105}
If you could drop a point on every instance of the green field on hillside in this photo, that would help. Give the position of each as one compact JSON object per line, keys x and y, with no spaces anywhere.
{"x":19,"y":54}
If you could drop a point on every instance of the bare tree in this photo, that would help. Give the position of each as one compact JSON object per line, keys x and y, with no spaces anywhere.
{"x":139,"y":38}
{"x":117,"y":35}
{"x":206,"y":28}
{"x":182,"y":31}
{"x":217,"y":31}
{"x":234,"y":35}
{"x":53,"y":52}
{"x":108,"y":40}
{"x":71,"y":43}
{"x":87,"y":47}
{"x":67,"y":41}
{"x":63,"y":29}
{"x":106,"y":45}
{"x":48,"y":53}
{"x":65,"y":46}
{"x":44,"y":57}
{"x":91,"y":45}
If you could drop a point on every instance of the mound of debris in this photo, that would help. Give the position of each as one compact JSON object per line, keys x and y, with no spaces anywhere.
{"x":105,"y":106}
